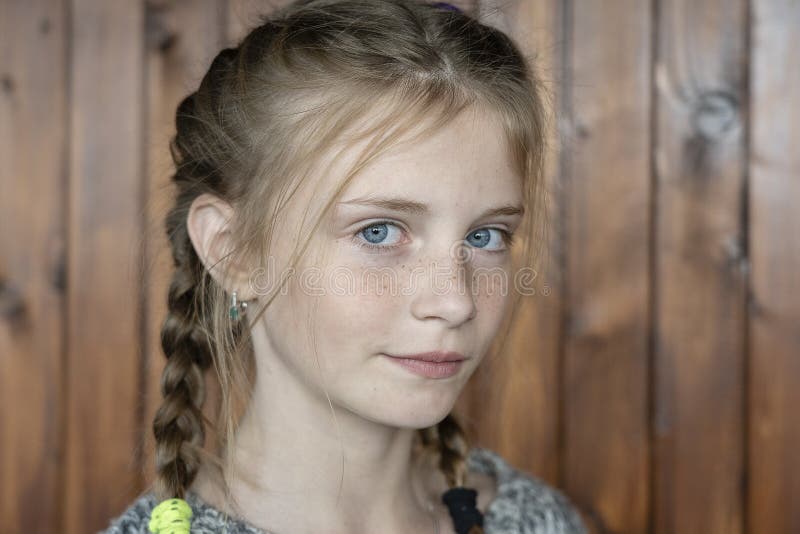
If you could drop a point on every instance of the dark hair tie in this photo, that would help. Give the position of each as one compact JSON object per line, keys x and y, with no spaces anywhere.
{"x":445,"y":5}
{"x":462,"y":504}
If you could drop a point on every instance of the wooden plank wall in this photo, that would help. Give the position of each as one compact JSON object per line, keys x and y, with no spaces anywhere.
{"x":699,"y":278}
{"x":773,"y":340}
{"x":34,"y":111}
{"x":654,"y":377}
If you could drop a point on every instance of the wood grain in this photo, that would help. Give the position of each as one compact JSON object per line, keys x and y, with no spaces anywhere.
{"x":33,"y":113}
{"x":607,"y":238}
{"x":700,"y":267}
{"x":103,"y":294}
{"x":774,"y":232}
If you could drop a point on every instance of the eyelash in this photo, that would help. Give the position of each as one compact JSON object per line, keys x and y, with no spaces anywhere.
{"x":508,"y":238}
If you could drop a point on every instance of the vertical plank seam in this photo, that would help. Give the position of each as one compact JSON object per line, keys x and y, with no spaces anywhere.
{"x":564,"y":10}
{"x":143,"y":274}
{"x":652,"y":270}
{"x":68,"y":32}
{"x":746,"y":100}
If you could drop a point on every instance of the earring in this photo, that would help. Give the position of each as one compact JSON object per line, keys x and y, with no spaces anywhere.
{"x":237,"y":308}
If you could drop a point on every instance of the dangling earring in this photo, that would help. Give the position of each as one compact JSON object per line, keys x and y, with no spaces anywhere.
{"x":237,"y":308}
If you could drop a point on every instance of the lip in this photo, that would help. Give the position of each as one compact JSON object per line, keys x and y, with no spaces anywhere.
{"x":436,"y":356}
{"x":431,"y":364}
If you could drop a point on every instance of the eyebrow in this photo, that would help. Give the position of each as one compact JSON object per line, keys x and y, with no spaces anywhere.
{"x":418,"y":208}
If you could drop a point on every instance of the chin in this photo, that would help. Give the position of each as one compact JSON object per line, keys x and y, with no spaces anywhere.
{"x":416,"y":416}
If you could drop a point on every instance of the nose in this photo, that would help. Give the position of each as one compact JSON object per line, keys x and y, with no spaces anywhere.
{"x":442,"y":290}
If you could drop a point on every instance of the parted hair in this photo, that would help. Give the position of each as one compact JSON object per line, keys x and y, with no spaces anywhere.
{"x":252,"y":131}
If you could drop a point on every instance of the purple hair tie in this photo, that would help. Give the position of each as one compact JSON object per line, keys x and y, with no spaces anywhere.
{"x":445,"y":5}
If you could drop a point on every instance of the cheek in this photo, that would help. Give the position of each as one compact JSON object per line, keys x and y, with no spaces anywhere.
{"x":492,"y":295}
{"x":491,"y":290}
{"x":358,"y":308}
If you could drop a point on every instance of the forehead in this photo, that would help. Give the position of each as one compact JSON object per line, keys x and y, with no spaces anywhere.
{"x":464,"y":161}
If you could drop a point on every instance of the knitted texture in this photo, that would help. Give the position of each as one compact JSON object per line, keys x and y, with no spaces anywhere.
{"x":524,"y":504}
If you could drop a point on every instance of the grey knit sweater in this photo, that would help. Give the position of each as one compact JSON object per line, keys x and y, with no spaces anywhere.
{"x":524,"y":505}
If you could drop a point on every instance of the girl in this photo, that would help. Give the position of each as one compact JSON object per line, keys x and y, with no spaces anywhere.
{"x":350,"y":180}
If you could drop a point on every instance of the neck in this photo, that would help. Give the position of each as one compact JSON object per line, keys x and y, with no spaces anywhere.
{"x":297,"y":468}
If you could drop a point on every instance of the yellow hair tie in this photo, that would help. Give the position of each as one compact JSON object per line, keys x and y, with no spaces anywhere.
{"x":171,"y":516}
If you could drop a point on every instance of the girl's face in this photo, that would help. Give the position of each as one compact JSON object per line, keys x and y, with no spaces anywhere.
{"x":384,"y":274}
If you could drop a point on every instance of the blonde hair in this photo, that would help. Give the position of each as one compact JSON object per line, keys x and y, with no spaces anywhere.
{"x":261,"y":118}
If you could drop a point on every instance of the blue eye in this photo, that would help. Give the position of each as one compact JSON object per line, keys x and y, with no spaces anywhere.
{"x":370,"y":237}
{"x":376,"y":233}
{"x":483,"y":237}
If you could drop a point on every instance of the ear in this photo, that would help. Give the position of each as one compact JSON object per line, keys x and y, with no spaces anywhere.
{"x":208,"y":224}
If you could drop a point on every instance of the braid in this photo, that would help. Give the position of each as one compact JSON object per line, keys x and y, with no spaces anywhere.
{"x":453,"y":450}
{"x":178,"y":425}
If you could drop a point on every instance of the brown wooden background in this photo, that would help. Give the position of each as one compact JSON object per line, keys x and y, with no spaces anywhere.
{"x":655,"y":378}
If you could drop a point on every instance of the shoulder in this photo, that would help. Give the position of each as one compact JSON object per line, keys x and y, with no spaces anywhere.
{"x":524,"y":503}
{"x":134,"y":519}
